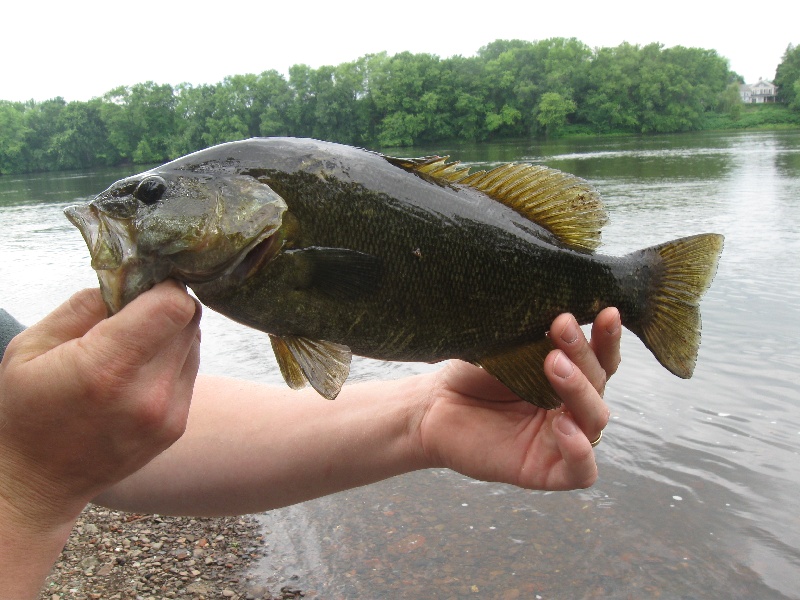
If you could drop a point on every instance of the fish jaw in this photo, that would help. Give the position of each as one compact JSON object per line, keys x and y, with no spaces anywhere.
{"x":122,"y":273}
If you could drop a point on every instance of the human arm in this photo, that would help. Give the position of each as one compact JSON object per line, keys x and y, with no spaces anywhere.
{"x":84,"y":402}
{"x":250,"y":447}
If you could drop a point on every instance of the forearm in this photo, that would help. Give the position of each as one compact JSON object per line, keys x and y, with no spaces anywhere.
{"x":250,"y":448}
{"x":27,"y":553}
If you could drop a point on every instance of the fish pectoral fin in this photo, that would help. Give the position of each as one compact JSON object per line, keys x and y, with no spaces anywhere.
{"x":521,"y":369}
{"x":341,"y":273}
{"x":325,"y":365}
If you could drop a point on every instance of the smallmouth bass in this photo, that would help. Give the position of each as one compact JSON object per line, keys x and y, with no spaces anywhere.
{"x":334,"y":251}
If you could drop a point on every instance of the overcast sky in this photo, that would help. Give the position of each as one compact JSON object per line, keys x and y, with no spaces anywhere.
{"x":82,"y":49}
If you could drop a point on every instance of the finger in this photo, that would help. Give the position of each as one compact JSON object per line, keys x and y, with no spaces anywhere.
{"x":161,"y":387}
{"x":145,"y":326}
{"x":606,"y":335}
{"x":71,"y":320}
{"x":579,"y":469}
{"x":579,"y":395}
{"x":176,"y":351}
{"x":567,"y":335}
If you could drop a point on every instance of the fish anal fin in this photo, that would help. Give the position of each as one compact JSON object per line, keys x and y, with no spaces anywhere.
{"x":521,"y":369}
{"x":325,"y":365}
{"x":565,"y":205}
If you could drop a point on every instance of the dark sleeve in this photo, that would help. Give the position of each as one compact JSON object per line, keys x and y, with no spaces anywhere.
{"x":9,"y":327}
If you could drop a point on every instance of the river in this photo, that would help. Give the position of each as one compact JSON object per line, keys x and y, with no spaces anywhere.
{"x":699,"y":479}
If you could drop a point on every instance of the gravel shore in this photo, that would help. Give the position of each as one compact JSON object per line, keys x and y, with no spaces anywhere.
{"x":114,"y":555}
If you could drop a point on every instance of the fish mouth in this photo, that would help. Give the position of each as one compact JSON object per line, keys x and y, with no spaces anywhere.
{"x":122,"y":273}
{"x":258,"y":255}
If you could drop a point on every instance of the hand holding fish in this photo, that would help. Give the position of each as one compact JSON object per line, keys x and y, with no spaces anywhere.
{"x":84,"y":402}
{"x":478,"y":427}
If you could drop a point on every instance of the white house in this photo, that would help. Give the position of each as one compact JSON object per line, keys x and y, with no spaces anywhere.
{"x":758,"y":93}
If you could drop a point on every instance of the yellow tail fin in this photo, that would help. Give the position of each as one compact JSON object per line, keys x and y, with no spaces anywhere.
{"x":670,"y":327}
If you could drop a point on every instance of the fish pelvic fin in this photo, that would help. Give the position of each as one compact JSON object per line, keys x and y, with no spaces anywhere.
{"x":681,"y":272}
{"x":566,"y":205}
{"x":521,"y":369}
{"x":325,"y":365}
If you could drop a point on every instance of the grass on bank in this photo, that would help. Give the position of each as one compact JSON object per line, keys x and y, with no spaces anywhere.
{"x":746,"y":116}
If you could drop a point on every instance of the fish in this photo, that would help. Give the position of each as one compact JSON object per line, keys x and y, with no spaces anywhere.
{"x":336,"y":251}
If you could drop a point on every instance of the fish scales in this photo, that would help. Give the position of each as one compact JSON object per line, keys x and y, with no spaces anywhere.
{"x":335,"y":250}
{"x":439,"y":279}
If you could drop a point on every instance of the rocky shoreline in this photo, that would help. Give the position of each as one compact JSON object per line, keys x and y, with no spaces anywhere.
{"x":115,"y":555}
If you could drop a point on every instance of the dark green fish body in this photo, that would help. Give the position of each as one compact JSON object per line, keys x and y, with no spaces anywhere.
{"x":419,"y":260}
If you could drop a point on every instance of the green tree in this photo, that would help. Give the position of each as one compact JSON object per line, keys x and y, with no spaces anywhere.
{"x":273,"y":100}
{"x":610,"y":101}
{"x":140,"y":121}
{"x":41,"y":124}
{"x":82,"y":139}
{"x":193,"y":107}
{"x":336,"y":106}
{"x":412,"y":98}
{"x":787,"y":73}
{"x":795,"y":104}
{"x":678,"y":86}
{"x":13,"y":133}
{"x":552,"y":112}
{"x":235,"y":114}
{"x":730,"y":100}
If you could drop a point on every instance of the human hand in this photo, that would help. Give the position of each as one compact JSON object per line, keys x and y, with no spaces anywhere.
{"x":86,"y":401}
{"x":475,"y":425}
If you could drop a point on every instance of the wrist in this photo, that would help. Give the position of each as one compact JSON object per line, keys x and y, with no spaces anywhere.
{"x":29,"y":546}
{"x":416,"y":395}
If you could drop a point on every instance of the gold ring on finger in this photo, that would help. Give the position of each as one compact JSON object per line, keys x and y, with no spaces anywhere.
{"x":597,"y":441}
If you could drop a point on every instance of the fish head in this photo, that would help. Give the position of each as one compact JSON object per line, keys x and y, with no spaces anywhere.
{"x":164,"y":223}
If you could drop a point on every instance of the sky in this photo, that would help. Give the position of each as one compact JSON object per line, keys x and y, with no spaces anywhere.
{"x":81,"y":49}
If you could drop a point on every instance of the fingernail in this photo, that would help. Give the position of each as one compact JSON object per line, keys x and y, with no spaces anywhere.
{"x":570,"y":332}
{"x":563,"y":366}
{"x":615,"y":325}
{"x":566,"y":425}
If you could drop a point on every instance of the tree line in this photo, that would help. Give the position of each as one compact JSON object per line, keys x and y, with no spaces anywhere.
{"x":511,"y":88}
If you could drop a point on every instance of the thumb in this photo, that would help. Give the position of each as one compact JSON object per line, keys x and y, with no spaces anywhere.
{"x":142,"y":329}
{"x":71,"y":320}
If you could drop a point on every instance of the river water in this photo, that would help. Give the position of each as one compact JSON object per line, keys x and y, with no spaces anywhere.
{"x":699,"y":479}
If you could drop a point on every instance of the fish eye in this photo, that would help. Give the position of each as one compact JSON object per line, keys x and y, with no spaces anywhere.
{"x":150,"y":189}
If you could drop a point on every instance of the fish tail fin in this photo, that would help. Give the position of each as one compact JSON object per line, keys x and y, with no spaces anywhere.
{"x":669,"y":323}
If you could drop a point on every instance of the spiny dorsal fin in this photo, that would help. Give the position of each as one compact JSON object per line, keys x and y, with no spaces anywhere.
{"x":567,"y":206}
{"x":435,"y":169}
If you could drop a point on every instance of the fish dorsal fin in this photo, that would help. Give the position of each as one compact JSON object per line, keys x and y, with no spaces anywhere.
{"x":325,"y":365}
{"x":566,"y":205}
